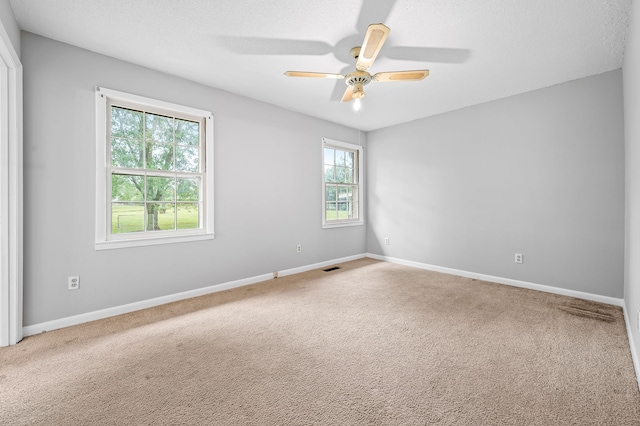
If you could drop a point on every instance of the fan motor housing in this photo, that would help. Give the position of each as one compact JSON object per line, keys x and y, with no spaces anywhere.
{"x":357,"y":77}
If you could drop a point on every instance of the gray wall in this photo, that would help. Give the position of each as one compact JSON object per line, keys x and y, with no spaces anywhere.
{"x":540,"y":173}
{"x":267,"y":189}
{"x":631,"y":73}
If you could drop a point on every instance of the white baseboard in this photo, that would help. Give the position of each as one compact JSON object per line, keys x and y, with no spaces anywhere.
{"x":508,"y":281}
{"x":30,"y":330}
{"x":634,"y":354}
{"x":131,"y":307}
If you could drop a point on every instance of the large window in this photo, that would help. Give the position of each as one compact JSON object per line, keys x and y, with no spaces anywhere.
{"x":342,"y":184}
{"x":155,"y":177}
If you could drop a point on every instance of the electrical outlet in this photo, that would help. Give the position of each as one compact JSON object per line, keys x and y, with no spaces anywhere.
{"x":299,"y":248}
{"x":519,"y":258}
{"x":73,"y":282}
{"x":386,"y":241}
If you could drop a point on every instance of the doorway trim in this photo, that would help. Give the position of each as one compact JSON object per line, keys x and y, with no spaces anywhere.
{"x":11,"y":193}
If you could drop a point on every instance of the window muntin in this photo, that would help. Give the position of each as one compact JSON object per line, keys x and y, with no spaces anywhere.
{"x":342,"y":190}
{"x":157,"y":165}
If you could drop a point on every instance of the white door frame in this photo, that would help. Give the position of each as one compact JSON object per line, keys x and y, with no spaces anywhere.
{"x":11,"y":167}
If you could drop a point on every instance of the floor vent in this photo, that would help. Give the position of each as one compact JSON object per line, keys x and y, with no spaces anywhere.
{"x":331,"y":269}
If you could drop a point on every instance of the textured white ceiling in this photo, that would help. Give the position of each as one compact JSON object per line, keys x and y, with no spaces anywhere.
{"x":477,"y":50}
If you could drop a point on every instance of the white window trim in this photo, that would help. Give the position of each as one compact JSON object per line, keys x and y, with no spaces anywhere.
{"x":102,"y":95}
{"x":343,"y":223}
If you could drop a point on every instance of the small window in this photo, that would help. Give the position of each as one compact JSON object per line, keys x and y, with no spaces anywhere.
{"x":341,"y":184}
{"x":155,"y":171}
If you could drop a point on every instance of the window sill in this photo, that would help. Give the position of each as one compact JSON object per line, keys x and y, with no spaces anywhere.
{"x":119,"y":244}
{"x":341,"y":224}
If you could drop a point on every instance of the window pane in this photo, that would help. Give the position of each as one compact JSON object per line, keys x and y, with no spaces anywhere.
{"x":330,"y":211}
{"x":343,"y":211}
{"x":127,"y":217}
{"x":329,"y":174}
{"x":187,"y":132}
{"x":330,"y":193}
{"x":159,"y":128}
{"x":339,"y":158}
{"x":160,"y":189}
{"x":126,"y":153}
{"x":348,"y":175}
{"x":127,"y":188}
{"x":187,"y":159}
{"x":344,"y":193}
{"x":160,"y":217}
{"x":188,"y":189}
{"x":188,"y":216}
{"x":159,"y":156}
{"x":348,"y":159}
{"x":340,"y":174}
{"x":328,"y":156}
{"x":126,"y":123}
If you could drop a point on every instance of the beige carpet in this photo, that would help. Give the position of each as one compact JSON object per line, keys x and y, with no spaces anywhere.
{"x":372,"y":343}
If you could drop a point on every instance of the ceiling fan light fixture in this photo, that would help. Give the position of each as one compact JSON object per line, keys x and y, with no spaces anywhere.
{"x":358,"y":91}
{"x":357,"y":105}
{"x":357,"y":95}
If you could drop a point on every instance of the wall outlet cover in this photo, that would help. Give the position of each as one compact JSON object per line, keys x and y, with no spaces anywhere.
{"x":73,"y":282}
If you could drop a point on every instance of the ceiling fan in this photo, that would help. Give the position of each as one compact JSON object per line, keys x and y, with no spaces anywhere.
{"x":365,"y":55}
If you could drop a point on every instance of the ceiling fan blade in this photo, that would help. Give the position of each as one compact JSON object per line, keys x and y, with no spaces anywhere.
{"x":348,"y":94}
{"x":413,"y":75}
{"x":313,"y":75}
{"x":373,"y":41}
